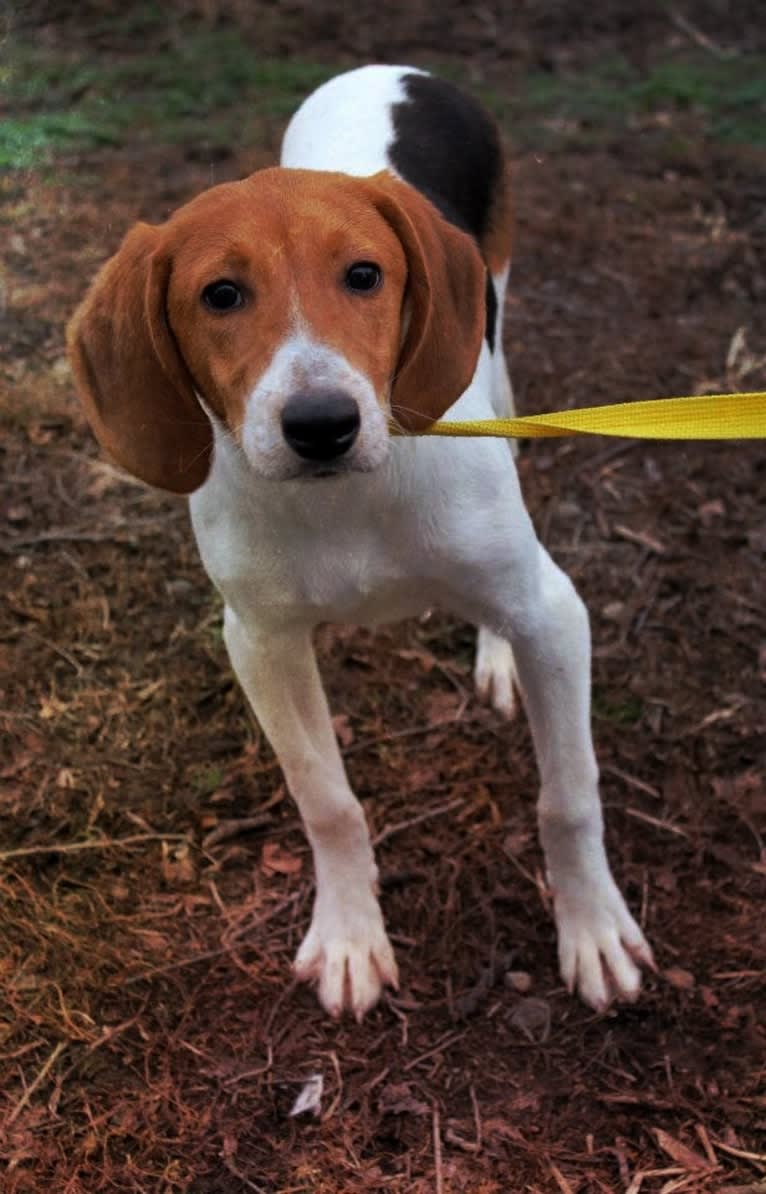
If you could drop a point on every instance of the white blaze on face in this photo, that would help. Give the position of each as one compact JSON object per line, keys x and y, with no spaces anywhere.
{"x":304,"y":366}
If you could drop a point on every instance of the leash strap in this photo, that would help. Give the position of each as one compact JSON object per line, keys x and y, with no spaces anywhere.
{"x":714,"y":416}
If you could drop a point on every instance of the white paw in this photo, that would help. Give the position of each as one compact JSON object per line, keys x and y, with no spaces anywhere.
{"x":600,"y":946}
{"x":347,"y":953}
{"x":495,"y":672}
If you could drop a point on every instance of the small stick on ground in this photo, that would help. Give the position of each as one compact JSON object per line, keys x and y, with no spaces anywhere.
{"x":560,"y":1180}
{"x":444,"y":1043}
{"x":758,"y":1159}
{"x":227,"y":829}
{"x":632,"y":781}
{"x":699,"y":37}
{"x":38,"y":1081}
{"x":704,"y":1139}
{"x":658,"y":824}
{"x":476,"y":1118}
{"x":339,"y":1091}
{"x":438,"y":1152}
{"x":107,"y":843}
{"x":389,"y":830}
{"x":209,"y":954}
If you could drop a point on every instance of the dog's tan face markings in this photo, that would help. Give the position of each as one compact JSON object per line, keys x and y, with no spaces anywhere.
{"x":287,"y":249}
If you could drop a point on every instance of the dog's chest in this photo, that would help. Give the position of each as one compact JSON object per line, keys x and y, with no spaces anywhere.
{"x":314,"y":560}
{"x":347,"y":569}
{"x":430,"y":525}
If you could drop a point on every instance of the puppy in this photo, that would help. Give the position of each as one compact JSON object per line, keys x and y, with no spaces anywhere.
{"x":256,"y":351}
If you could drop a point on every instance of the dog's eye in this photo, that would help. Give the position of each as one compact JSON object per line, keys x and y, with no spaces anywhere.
{"x":222,"y":295}
{"x":363,"y":276}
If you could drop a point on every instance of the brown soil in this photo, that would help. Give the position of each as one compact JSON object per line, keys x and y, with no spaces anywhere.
{"x":151,"y":1038}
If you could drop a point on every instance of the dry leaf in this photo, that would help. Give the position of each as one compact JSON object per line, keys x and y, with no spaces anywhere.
{"x":426,"y":660}
{"x":682,"y":980}
{"x":423,"y":776}
{"x":441,"y":707}
{"x":500,"y":1127}
{"x":51,"y":707}
{"x":680,"y":1153}
{"x":709,"y":511}
{"x":344,"y":731}
{"x":19,"y":764}
{"x":158,"y":943}
{"x":533,"y":1018}
{"x":519,"y":980}
{"x":398,"y":1099}
{"x":275,"y":860}
{"x":516,"y":843}
{"x":177,"y":865}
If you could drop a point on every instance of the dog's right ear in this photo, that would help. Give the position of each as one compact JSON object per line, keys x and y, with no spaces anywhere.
{"x":446,"y":287}
{"x":134,"y":385}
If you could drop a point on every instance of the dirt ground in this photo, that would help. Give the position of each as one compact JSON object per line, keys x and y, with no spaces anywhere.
{"x":154,"y":879}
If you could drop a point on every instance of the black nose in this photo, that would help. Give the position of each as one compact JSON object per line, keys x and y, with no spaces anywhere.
{"x":320,"y":425}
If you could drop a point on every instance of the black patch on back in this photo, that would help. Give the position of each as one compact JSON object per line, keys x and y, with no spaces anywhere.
{"x":447,"y":147}
{"x":490,"y":299}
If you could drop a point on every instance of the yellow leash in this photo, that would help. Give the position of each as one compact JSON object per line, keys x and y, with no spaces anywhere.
{"x":714,"y":416}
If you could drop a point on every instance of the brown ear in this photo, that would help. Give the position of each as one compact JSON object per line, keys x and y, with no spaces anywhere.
{"x":135,"y":388}
{"x":446,"y":289}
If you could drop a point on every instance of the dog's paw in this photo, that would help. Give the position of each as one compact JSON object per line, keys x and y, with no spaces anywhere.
{"x":495,"y":672}
{"x":601,"y":948}
{"x":349,"y":957}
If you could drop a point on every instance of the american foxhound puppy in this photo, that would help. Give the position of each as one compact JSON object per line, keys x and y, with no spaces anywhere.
{"x":254,"y":352}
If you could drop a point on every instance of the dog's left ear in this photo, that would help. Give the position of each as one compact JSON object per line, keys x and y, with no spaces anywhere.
{"x":446,"y":288}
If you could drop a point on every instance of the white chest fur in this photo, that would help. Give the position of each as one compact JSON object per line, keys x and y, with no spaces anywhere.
{"x":366,"y":547}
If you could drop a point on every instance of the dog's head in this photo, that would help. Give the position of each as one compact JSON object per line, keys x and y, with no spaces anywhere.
{"x":302,"y":308}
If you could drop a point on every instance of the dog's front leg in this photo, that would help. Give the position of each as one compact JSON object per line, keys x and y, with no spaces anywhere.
{"x":346,"y":949}
{"x":600,"y":943}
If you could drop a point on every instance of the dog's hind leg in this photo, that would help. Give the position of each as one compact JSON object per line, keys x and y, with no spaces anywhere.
{"x":494,"y":671}
{"x":495,"y":674}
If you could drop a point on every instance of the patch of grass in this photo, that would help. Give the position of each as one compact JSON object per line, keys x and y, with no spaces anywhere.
{"x":26,"y":142}
{"x":625,"y":712}
{"x":730,"y":94}
{"x":727,"y":98}
{"x":207,"y":780}
{"x":209,"y":87}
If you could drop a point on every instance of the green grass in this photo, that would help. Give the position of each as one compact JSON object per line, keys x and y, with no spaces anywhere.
{"x":725,"y":98}
{"x":211,"y":88}
{"x":628,"y":711}
{"x":207,"y":780}
{"x":28,"y":141}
